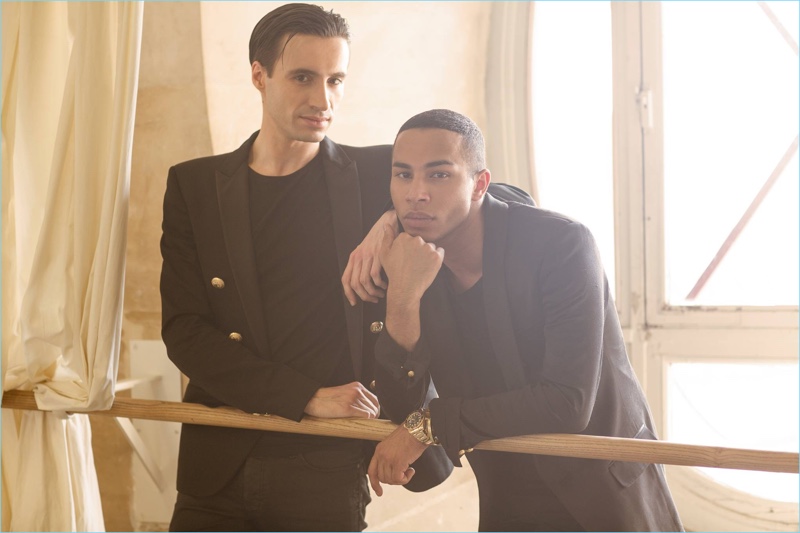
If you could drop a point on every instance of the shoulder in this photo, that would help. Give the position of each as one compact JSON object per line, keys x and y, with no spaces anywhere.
{"x":543,"y":228}
{"x":227,"y":163}
{"x":527,"y":215}
{"x":380,"y":154}
{"x":200,"y":165}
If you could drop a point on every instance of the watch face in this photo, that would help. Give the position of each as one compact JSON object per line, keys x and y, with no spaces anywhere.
{"x":413,"y":420}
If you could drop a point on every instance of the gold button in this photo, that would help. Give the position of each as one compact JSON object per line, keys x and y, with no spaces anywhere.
{"x":217,"y":283}
{"x":372,"y":385}
{"x":235,"y":337}
{"x":411,"y":373}
{"x":376,"y":327}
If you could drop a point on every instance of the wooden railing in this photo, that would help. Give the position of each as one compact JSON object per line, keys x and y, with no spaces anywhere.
{"x":564,"y":445}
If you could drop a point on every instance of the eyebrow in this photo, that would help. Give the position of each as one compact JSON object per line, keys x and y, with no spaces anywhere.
{"x":309,"y":72}
{"x":438,"y":163}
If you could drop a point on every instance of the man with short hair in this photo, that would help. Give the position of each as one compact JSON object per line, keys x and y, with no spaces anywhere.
{"x":506,"y":309}
{"x":254,"y":245}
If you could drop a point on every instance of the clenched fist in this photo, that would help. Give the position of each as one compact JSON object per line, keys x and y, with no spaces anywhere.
{"x":411,"y":265}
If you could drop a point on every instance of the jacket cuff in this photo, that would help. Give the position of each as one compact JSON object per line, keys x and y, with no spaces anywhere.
{"x":408,"y":368}
{"x":293,"y":390}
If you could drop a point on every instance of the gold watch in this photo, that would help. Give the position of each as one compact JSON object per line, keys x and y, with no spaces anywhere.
{"x":418,"y":423}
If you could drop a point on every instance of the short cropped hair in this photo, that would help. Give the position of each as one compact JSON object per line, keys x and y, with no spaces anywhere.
{"x":266,"y":41}
{"x":472,"y":143}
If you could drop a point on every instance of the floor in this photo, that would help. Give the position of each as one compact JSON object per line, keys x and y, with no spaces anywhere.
{"x":452,"y":506}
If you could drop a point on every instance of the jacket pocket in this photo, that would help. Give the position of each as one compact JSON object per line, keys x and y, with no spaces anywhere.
{"x":626,"y":472}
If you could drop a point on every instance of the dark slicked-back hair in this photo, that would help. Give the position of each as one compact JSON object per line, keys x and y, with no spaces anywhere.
{"x":472,"y":143}
{"x":267,"y":40}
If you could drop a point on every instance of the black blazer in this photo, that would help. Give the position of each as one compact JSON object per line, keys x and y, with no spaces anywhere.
{"x":555,"y":333}
{"x":210,"y":296}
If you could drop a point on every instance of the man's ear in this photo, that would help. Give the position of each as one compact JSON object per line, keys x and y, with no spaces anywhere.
{"x":258,"y":75}
{"x":482,"y":180}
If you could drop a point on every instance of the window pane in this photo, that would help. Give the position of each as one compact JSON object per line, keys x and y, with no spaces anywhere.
{"x":738,"y":406}
{"x":730,"y":115}
{"x":572,"y":106}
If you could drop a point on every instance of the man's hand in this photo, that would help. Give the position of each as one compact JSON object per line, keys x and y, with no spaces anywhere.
{"x":411,"y":265}
{"x":352,"y":400}
{"x":362,"y":275}
{"x":391,"y":463}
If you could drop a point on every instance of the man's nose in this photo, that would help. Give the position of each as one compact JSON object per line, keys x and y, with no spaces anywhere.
{"x":417,"y":191}
{"x":321,"y":97}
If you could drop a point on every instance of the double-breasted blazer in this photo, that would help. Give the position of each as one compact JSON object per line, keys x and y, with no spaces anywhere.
{"x":212,"y":316}
{"x":556,"y":337}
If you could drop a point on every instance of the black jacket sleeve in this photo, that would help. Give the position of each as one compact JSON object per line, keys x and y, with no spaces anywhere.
{"x":221,"y":371}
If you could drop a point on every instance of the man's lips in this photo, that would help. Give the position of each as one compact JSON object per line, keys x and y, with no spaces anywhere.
{"x":416,"y":218}
{"x":319,"y":122}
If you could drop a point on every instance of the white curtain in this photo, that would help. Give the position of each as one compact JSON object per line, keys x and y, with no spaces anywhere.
{"x":69,"y":92}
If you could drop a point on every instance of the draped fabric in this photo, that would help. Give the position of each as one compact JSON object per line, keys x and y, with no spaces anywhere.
{"x":69,"y":80}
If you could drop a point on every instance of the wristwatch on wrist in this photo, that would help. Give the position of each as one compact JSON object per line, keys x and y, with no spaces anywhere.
{"x":418,"y":423}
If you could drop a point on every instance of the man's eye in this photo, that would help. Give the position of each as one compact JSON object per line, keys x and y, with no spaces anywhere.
{"x":440,"y":175}
{"x":402,"y":175}
{"x":302,"y":78}
{"x":336,"y":81}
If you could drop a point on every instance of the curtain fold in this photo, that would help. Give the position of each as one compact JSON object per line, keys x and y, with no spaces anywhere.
{"x":69,"y":94}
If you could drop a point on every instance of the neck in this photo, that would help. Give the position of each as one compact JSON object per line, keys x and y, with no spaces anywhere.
{"x":463,"y":252}
{"x":274,"y":155}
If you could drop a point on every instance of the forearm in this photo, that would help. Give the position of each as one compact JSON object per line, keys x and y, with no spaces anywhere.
{"x":540,"y":408}
{"x":232,"y":373}
{"x":402,"y":319}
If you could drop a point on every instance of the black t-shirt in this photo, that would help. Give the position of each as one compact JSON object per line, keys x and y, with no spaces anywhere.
{"x":477,"y":355}
{"x":298,"y":275}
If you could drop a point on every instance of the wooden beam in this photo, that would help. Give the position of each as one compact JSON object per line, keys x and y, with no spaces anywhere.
{"x":563,"y":445}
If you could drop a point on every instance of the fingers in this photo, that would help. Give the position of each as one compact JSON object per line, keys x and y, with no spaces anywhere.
{"x":386,"y":246}
{"x":368,"y":402}
{"x":348,"y":272}
{"x":383,"y":474}
{"x":358,"y":279}
{"x":375,"y":275}
{"x":372,"y":473}
{"x":344,"y":401}
{"x":363,"y":403}
{"x":367,"y":279}
{"x":365,"y":282}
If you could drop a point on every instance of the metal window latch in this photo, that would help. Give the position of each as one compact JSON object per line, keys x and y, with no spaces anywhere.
{"x":644,"y":97}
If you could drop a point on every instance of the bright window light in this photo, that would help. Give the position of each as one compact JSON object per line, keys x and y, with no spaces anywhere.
{"x":572,"y":106}
{"x":730,"y":118}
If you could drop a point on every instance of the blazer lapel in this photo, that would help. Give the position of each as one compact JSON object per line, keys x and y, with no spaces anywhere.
{"x":341,"y":177}
{"x":495,"y":294}
{"x":233,"y":198}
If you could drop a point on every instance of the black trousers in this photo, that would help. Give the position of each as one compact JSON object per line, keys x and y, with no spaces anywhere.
{"x":323,"y":490}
